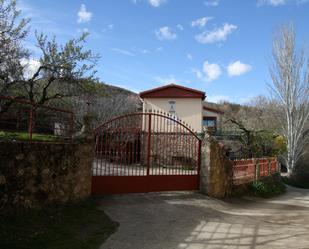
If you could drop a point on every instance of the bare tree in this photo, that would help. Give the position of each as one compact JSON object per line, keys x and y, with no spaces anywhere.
{"x":105,"y":107}
{"x":290,"y":87}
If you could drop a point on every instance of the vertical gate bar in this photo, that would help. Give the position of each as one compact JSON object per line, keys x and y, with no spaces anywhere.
{"x":134,"y":145}
{"x":122,"y":166}
{"x":192,"y":147}
{"x":121,"y":169}
{"x":108,"y":145}
{"x":192,"y":153}
{"x":167,"y":167}
{"x":171,"y":139}
{"x":114,"y":154}
{"x":154,"y":144}
{"x":112,"y":135}
{"x":111,"y":138}
{"x":185,"y":145}
{"x":199,"y":157}
{"x":149,"y":141}
{"x":180,"y":146}
{"x":103,"y":149}
{"x":138,"y":143}
{"x":195,"y":151}
{"x":160,"y":145}
{"x":97,"y":151}
{"x":96,"y":163}
{"x":178,"y":168}
{"x":104,"y":156}
{"x":143,"y":150}
{"x":188,"y":150}
{"x":99,"y":154}
{"x":174,"y":151}
{"x":114,"y":147}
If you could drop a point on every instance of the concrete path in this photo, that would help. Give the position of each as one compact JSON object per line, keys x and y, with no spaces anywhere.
{"x":194,"y":221}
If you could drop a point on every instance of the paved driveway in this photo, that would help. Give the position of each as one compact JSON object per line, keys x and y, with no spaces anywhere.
{"x":193,"y":221}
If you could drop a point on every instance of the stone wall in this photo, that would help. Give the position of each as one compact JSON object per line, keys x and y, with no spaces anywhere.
{"x":36,"y":174}
{"x":216,"y":170}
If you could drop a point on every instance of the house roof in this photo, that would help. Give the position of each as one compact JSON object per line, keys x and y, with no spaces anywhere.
{"x":172,"y":91}
{"x":213,"y":110}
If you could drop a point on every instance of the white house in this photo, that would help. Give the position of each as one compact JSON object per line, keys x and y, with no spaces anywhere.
{"x":185,"y":103}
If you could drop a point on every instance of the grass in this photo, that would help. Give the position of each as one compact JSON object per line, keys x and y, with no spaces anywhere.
{"x":78,"y":226}
{"x":25,"y":136}
{"x":298,"y":182}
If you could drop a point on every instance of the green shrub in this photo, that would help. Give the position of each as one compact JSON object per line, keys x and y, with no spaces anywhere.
{"x":268,"y":187}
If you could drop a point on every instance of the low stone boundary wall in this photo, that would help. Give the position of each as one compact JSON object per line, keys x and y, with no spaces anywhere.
{"x":219,"y":175}
{"x":35,"y":174}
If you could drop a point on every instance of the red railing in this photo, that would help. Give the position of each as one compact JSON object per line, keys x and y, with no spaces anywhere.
{"x":249,"y":170}
{"x":23,"y":120}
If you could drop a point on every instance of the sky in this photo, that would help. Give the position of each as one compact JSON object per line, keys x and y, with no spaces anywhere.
{"x":222,"y":47}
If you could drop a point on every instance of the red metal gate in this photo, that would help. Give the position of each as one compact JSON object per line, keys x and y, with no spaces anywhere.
{"x":145,"y":152}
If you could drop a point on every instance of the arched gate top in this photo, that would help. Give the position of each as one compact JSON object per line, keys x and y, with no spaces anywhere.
{"x":150,"y":113}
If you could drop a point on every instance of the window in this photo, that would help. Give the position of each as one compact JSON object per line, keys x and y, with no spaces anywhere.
{"x":210,"y":123}
{"x":172,"y":107}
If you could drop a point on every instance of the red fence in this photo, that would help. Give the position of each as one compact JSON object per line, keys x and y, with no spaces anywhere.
{"x":23,"y":120}
{"x":249,"y":170}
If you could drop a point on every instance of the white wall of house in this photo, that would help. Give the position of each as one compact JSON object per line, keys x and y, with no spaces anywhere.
{"x":187,"y":109}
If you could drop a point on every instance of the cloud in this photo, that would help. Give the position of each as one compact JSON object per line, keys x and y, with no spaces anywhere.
{"x":165,"y":33}
{"x":209,"y":72}
{"x":276,"y":3}
{"x":212,"y":3}
{"x":272,"y":2}
{"x":153,"y":3}
{"x":201,"y":22}
{"x":169,"y":79}
{"x":238,"y":68}
{"x":216,"y":35}
{"x":108,"y":27}
{"x":197,"y":73}
{"x":180,"y":27}
{"x":189,"y":56}
{"x":30,"y":67}
{"x":123,"y":51}
{"x":144,"y":51}
{"x":156,"y":3}
{"x":83,"y":14}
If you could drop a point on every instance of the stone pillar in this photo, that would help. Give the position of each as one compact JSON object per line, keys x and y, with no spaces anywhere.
{"x":216,"y":176}
{"x":205,"y":164}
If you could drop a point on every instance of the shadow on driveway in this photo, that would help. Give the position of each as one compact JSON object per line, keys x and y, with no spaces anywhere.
{"x":192,"y":221}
